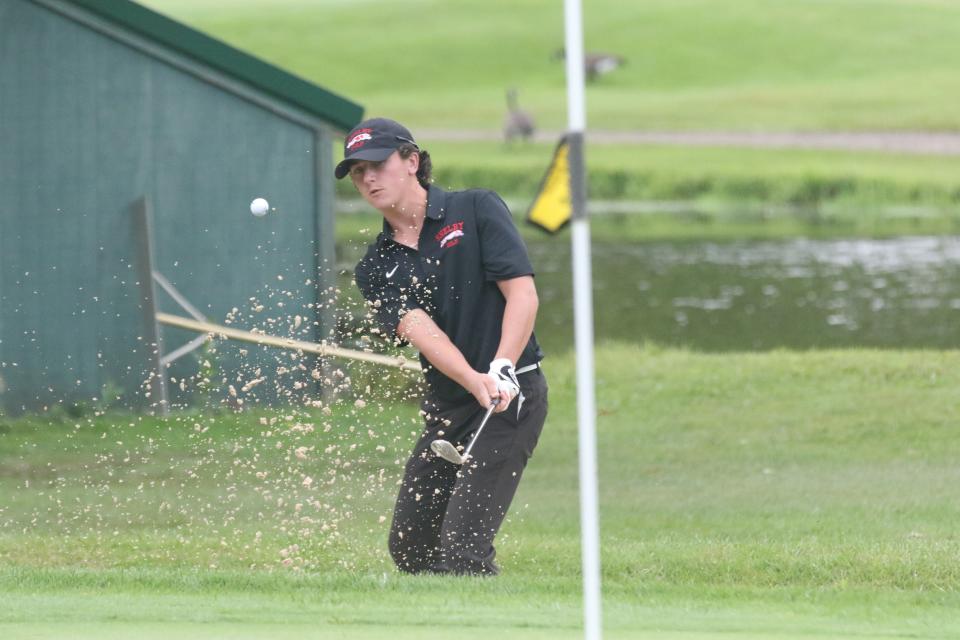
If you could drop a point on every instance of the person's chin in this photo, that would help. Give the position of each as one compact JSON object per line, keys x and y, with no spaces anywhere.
{"x":377,"y":198}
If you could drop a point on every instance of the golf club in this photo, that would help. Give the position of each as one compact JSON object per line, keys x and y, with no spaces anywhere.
{"x":446,"y":450}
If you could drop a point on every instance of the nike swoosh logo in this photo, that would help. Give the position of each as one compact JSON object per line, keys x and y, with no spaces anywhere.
{"x":392,"y":271}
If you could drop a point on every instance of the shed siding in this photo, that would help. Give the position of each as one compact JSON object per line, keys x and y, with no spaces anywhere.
{"x":88,"y":125}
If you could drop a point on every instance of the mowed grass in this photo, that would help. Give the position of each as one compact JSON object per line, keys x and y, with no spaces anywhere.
{"x":743,"y":65}
{"x":709,"y":192}
{"x":716,"y":193}
{"x":691,"y":64}
{"x":856,"y":186}
{"x":730,"y":164}
{"x":767,"y":495}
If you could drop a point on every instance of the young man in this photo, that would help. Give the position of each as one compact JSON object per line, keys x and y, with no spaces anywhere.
{"x":450,"y":275}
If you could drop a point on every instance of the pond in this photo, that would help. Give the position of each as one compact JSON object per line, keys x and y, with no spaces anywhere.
{"x":755,"y":294}
{"x":759,"y":295}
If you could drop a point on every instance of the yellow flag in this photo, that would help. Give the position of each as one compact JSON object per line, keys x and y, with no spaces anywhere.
{"x":552,"y":209}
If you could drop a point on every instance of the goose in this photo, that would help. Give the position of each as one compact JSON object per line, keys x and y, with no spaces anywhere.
{"x":595,"y":64}
{"x":517,"y":123}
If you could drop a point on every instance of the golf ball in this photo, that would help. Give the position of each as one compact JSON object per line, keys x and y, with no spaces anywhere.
{"x":259,"y":207}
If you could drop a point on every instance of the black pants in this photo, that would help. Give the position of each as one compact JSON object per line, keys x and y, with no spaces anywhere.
{"x":447,"y":515}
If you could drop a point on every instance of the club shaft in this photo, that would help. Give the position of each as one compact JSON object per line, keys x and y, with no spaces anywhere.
{"x":284,"y":343}
{"x":466,"y":453}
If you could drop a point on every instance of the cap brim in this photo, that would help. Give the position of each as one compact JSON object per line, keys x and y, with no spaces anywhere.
{"x":375,"y":155}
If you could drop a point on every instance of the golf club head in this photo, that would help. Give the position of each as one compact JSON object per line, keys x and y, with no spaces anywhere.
{"x":447,"y":451}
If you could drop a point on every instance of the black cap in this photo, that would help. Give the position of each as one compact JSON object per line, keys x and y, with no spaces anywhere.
{"x":374,"y":139}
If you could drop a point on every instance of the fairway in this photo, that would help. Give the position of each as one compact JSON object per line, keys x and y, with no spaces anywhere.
{"x":779,"y":495}
{"x":861,"y":184}
{"x":693,"y":64}
{"x":749,"y":489}
{"x":751,"y":66}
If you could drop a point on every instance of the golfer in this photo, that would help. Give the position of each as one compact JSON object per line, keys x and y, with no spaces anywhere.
{"x":450,"y":275}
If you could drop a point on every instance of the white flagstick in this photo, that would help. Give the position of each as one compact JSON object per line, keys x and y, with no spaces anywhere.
{"x":583,"y":325}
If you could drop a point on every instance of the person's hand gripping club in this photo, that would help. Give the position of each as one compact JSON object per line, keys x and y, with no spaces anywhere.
{"x":505,"y":376}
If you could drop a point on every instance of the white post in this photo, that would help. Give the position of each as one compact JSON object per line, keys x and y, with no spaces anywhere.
{"x":583,"y":325}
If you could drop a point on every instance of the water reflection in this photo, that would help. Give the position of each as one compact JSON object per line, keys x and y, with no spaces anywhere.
{"x":758,"y":295}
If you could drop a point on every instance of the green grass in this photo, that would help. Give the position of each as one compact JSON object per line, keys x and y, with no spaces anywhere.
{"x":746,"y":65}
{"x":714,"y":192}
{"x":357,"y":229}
{"x":692,"y":64}
{"x":649,"y":164}
{"x":755,"y":495}
{"x":864,"y":182}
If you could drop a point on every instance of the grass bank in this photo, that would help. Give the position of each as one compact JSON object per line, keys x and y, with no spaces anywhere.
{"x":757,"y":65}
{"x":762,"y":495}
{"x":649,"y":172}
{"x":718,"y":192}
{"x":754,"y":65}
{"x":862,"y":183}
{"x":692,"y":221}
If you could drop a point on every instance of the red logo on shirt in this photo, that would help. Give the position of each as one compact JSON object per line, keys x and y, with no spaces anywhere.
{"x":450,"y":235}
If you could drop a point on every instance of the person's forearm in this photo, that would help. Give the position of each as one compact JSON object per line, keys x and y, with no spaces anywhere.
{"x":422,"y":332}
{"x":518,"y":317}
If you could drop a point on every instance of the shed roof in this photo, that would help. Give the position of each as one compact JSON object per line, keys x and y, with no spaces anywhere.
{"x":209,"y":51}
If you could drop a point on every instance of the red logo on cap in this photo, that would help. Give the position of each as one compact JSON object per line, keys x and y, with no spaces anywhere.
{"x":359,"y":138}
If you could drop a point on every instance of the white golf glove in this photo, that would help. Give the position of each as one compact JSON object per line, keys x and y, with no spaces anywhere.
{"x":502,"y":372}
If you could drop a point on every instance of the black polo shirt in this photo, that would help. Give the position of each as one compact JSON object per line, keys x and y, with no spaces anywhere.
{"x":468,"y":242}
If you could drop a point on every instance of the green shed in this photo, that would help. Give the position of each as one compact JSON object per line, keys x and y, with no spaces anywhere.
{"x":108,"y":109}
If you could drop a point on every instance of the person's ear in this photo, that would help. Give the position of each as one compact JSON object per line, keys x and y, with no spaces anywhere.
{"x":413,"y":163}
